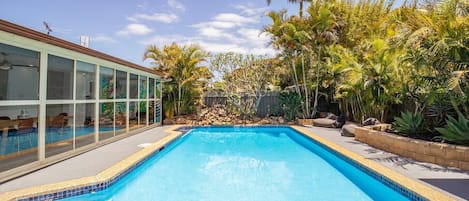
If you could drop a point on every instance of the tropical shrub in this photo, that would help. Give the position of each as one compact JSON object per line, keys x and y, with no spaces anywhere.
{"x":291,"y":105}
{"x":408,"y":123}
{"x":456,"y":131}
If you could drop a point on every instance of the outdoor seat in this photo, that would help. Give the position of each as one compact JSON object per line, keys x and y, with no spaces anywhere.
{"x":324,"y":122}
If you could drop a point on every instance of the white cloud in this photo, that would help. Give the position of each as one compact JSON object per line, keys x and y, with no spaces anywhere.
{"x":215,"y":24}
{"x":234,"y":18}
{"x":160,"y":17}
{"x":134,"y":29}
{"x":176,"y":5}
{"x":225,"y":32}
{"x":102,"y":38}
{"x":250,"y":10}
{"x":160,"y":40}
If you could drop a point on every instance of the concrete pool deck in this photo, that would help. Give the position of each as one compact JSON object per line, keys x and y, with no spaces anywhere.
{"x":95,"y":161}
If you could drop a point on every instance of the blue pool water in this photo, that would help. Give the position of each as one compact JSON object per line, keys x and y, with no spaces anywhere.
{"x":241,"y":164}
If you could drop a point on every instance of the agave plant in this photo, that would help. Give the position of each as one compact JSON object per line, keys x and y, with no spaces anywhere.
{"x":456,"y":131}
{"x":408,"y":123}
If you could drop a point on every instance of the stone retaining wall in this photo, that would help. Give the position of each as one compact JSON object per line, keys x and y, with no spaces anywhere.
{"x":432,"y":152}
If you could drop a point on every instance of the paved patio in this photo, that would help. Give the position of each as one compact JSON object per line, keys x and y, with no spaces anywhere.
{"x":91,"y":163}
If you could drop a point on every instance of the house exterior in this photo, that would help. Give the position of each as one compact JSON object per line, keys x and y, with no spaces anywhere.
{"x":59,"y":99}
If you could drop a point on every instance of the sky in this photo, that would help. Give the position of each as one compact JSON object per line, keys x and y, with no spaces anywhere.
{"x":125,"y":28}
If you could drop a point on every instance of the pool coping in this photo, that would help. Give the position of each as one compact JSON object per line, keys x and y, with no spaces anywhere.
{"x":416,"y":187}
{"x":112,"y":174}
{"x":92,"y":183}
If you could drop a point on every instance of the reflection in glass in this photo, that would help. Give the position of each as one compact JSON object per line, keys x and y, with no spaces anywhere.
{"x":19,"y":73}
{"x":18,"y":135}
{"x":121,"y":84}
{"x":59,"y":132}
{"x":157,"y":110}
{"x":85,"y":81}
{"x":157,"y":89}
{"x":121,"y":118}
{"x":106,"y":123}
{"x":151,"y":112}
{"x":133,"y":86}
{"x":84,"y":124}
{"x":106,"y":77}
{"x":142,"y":114}
{"x":151,"y":87}
{"x":133,"y":115}
{"x":59,"y":78}
{"x":143,"y":87}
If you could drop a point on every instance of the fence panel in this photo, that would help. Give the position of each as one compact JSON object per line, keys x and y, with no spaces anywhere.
{"x":268,"y":104}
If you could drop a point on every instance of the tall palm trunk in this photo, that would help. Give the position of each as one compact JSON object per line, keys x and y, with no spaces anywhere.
{"x":304,"y":85}
{"x":178,"y":108}
{"x":316,"y":95}
{"x":301,"y":9}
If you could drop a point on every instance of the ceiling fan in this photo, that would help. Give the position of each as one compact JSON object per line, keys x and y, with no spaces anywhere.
{"x":6,"y":65}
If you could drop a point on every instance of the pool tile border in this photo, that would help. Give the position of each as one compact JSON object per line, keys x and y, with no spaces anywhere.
{"x":408,"y":187}
{"x":95,"y":183}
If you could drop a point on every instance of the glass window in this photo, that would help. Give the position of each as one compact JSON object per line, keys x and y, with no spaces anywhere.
{"x":133,"y":115}
{"x":59,"y":78}
{"x":106,"y":123}
{"x":121,"y":118}
{"x":121,"y":84}
{"x":151,"y":112}
{"x":85,"y":80}
{"x":59,"y":132}
{"x":106,"y":77}
{"x":151,"y":88}
{"x":133,"y":86}
{"x":18,"y":135}
{"x":142,"y":114}
{"x":19,"y":73}
{"x":84,"y":124}
{"x":143,"y":87}
{"x":157,"y":110}
{"x":157,"y":89}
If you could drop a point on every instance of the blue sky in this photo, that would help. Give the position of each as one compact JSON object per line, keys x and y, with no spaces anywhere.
{"x":125,"y":28}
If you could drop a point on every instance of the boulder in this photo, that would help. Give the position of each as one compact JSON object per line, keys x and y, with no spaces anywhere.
{"x":348,"y":130}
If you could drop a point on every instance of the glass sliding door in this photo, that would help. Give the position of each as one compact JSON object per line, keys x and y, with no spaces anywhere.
{"x":18,"y":135}
{"x":84,"y":124}
{"x":106,"y":123}
{"x":133,"y":115}
{"x":120,"y":120}
{"x":59,"y":131}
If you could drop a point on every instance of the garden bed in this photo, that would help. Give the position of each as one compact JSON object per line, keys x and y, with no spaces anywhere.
{"x":420,"y":150}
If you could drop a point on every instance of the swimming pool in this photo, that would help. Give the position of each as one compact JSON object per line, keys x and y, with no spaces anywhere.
{"x":262,"y":163}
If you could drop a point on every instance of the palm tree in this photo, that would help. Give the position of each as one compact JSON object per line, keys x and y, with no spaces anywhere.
{"x":183,"y":65}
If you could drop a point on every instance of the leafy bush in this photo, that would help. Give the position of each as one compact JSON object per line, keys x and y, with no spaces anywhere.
{"x":291,"y":105}
{"x":408,"y":123}
{"x":456,"y":131}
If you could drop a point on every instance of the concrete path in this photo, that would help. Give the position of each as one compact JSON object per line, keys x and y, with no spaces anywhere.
{"x":87,"y":164}
{"x":91,"y":163}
